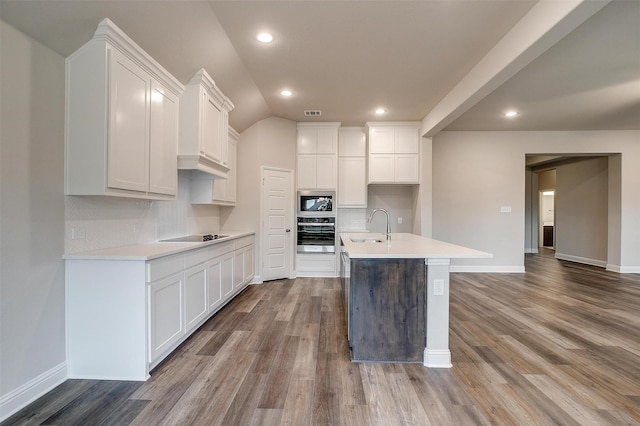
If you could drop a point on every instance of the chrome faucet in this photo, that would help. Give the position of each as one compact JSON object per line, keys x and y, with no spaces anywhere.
{"x":388,"y":224}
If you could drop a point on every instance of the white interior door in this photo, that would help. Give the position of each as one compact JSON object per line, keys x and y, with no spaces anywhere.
{"x":277,"y":215}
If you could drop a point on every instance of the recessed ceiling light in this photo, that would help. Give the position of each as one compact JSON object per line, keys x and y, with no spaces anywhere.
{"x":264,"y":38}
{"x":511,"y":114}
{"x":380,"y":111}
{"x":286,"y":93}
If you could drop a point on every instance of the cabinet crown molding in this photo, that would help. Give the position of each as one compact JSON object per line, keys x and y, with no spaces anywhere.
{"x":109,"y":32}
{"x":204,"y":79}
{"x":392,"y":123}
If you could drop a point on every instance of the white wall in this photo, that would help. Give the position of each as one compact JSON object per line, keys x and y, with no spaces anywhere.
{"x":475,"y":173}
{"x":397,"y":200}
{"x":270,"y":142}
{"x":581,"y":222}
{"x":32,"y":343}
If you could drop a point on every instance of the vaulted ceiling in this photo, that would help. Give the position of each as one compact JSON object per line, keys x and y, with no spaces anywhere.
{"x":456,"y":64}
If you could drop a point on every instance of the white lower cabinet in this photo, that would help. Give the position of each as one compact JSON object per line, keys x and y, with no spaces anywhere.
{"x":166,"y":305}
{"x":195,"y":296}
{"x":315,"y":265}
{"x":125,"y":316}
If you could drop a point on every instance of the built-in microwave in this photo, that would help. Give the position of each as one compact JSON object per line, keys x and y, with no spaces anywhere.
{"x":316,"y":203}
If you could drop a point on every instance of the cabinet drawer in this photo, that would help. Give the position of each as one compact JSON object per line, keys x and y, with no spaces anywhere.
{"x":165,"y":266}
{"x":243,"y":242}
{"x":195,"y":257}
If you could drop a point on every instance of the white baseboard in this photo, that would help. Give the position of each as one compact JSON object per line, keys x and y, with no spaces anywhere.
{"x":437,"y":358}
{"x":623,"y":269}
{"x":24,"y":395}
{"x":487,"y":269}
{"x":585,"y":260}
{"x":531,"y":250}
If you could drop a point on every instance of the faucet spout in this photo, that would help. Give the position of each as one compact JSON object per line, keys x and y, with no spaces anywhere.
{"x":388,"y":224}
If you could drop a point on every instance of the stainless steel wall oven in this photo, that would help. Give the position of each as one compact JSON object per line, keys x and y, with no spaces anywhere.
{"x":316,"y":234}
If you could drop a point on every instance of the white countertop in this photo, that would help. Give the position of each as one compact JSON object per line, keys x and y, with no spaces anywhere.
{"x":149,"y":251}
{"x":405,"y":246}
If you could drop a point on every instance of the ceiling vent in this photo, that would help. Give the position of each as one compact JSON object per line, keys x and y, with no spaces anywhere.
{"x":313,"y":113}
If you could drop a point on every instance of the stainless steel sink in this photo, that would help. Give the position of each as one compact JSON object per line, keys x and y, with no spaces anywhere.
{"x":366,"y":240}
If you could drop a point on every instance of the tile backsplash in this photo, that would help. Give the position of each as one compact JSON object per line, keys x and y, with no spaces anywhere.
{"x":93,"y":223}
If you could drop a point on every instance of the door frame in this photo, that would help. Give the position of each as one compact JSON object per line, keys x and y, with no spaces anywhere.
{"x":290,"y":225}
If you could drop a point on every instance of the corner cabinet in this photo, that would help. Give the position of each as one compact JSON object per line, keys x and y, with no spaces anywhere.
{"x":394,"y":152}
{"x":124,"y":316}
{"x":122,"y":109}
{"x":205,"y":189}
{"x":352,"y":167}
{"x":204,"y":127}
{"x":317,"y":155}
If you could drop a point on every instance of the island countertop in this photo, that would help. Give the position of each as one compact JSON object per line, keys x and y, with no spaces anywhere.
{"x":404,"y":245}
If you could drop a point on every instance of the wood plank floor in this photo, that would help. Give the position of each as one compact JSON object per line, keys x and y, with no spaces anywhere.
{"x":558,"y":345}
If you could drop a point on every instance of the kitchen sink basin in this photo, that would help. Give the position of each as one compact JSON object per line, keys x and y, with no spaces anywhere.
{"x":366,"y":240}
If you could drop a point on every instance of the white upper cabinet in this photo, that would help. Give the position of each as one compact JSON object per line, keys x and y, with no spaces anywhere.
{"x":207,"y":190}
{"x":394,"y":152}
{"x":204,"y":127}
{"x":317,"y":159}
{"x":121,"y":120}
{"x":352,"y":177}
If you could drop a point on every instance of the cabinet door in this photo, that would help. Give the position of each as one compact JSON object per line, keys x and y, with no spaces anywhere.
{"x":381,"y":168}
{"x":214,"y":283}
{"x":129,"y":87}
{"x":382,"y":140}
{"x":352,"y":184}
{"x":407,"y":140}
{"x":219,"y":188}
{"x":238,"y":269}
{"x":249,"y":273}
{"x":353,"y":143}
{"x":326,"y":171}
{"x":306,"y":171}
{"x":166,"y":316}
{"x":227,"y":275}
{"x":211,"y":146}
{"x":195,"y":295}
{"x":306,"y":141}
{"x":327,"y":140}
{"x":163,"y":141}
{"x":407,"y":168}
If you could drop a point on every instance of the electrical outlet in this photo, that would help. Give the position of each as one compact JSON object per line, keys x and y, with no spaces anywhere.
{"x":78,"y":233}
{"x":438,"y":287}
{"x":399,"y":219}
{"x":505,"y":209}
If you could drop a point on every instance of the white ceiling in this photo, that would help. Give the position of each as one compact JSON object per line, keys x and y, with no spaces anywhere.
{"x":348,"y":57}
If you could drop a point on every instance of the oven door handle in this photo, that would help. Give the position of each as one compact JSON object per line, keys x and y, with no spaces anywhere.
{"x":332,"y":225}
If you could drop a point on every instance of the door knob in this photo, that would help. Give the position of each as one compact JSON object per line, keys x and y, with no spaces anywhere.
{"x":288,"y":230}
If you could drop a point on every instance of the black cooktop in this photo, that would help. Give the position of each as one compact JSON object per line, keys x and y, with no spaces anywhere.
{"x":195,"y":238}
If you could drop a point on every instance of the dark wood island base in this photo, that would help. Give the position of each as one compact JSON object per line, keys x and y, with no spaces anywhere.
{"x":387,"y":309}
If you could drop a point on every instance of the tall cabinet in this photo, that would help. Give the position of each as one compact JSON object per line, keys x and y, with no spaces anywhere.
{"x":317,"y":155}
{"x":352,"y":167}
{"x":122,"y":109}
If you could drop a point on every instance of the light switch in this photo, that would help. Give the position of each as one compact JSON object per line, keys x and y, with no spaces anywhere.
{"x":438,"y":287}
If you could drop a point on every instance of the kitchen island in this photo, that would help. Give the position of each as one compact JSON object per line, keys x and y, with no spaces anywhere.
{"x":397,"y":296}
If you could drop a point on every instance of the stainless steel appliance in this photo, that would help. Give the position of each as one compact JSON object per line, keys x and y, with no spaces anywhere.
{"x":316,"y":203}
{"x":316,"y":234}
